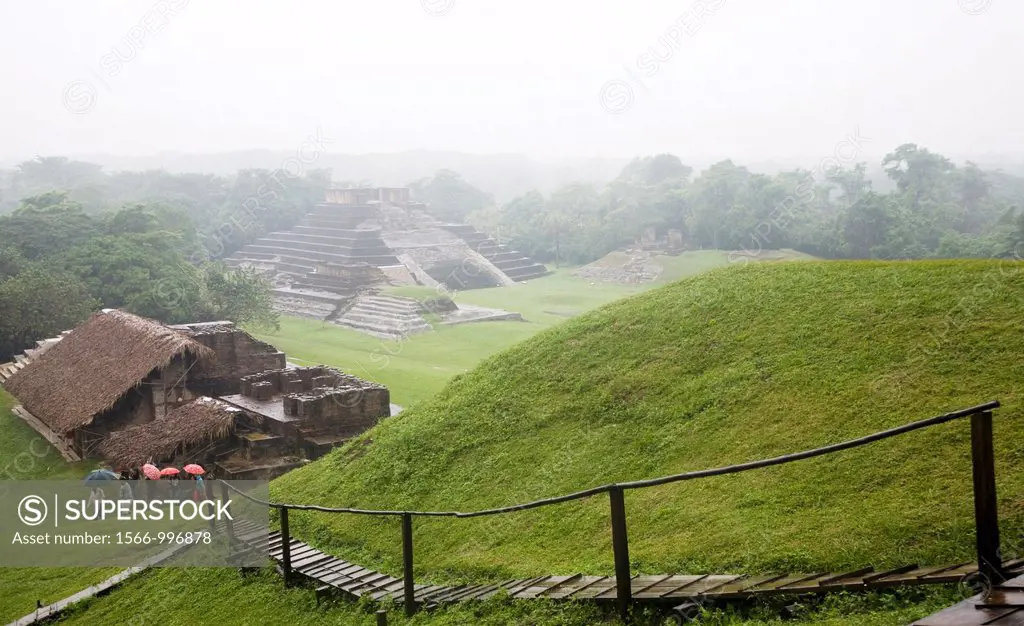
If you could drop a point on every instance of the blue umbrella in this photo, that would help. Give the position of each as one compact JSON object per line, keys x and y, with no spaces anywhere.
{"x":101,"y":474}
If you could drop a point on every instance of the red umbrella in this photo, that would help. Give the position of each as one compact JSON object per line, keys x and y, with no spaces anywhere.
{"x":196,"y":470}
{"x":151,"y":471}
{"x":170,"y":471}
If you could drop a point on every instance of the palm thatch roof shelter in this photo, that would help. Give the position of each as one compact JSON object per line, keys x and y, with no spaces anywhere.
{"x":201,"y":421}
{"x":95,"y":365}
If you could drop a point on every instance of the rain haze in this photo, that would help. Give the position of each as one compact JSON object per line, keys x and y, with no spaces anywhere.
{"x":739,"y":79}
{"x":485,"y":287}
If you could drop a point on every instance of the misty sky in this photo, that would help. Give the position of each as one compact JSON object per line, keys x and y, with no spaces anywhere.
{"x":749,"y":79}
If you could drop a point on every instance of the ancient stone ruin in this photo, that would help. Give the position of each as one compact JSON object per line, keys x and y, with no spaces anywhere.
{"x":332,"y":265}
{"x":132,"y":390}
{"x":304,"y":412}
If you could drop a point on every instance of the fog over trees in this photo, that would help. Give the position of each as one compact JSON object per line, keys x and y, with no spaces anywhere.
{"x":143,"y":144}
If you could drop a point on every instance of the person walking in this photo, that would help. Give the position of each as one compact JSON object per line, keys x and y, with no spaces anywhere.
{"x":199,"y":493}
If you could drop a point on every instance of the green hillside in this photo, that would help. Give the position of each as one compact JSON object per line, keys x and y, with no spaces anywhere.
{"x":737,"y":364}
{"x":419,"y":366}
{"x":729,"y":366}
{"x":25,"y":455}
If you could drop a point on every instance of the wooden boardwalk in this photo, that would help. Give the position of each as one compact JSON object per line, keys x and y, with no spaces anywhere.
{"x":331,"y":573}
{"x":1002,"y":606}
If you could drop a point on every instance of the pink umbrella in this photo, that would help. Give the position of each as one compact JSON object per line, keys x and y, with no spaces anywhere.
{"x":196,"y":470}
{"x":170,"y":471}
{"x":151,"y":471}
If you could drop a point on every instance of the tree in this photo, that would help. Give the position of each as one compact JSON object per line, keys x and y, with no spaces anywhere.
{"x":865,"y":226}
{"x":117,"y":267}
{"x":46,"y":224}
{"x":82,"y":181}
{"x":715,"y":202}
{"x":654,"y":170}
{"x":242,"y":295}
{"x":11,"y":262}
{"x":37,"y":303}
{"x":449,"y":197}
{"x":853,"y":183}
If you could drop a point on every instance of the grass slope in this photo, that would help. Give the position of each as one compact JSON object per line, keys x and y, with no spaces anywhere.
{"x":25,"y":455}
{"x":730,"y":366}
{"x":174,"y":597}
{"x":418,"y":367}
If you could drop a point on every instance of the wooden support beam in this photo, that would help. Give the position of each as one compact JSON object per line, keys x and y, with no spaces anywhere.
{"x":986,"y":514}
{"x":620,"y":546}
{"x":407,"y":563}
{"x":286,"y":548}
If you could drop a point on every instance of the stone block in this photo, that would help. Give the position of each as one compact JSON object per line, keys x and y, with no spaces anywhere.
{"x":263,"y":390}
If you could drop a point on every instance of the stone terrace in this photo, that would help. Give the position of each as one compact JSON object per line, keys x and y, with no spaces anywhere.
{"x":342,"y":235}
{"x":305,"y":411}
{"x":386,"y":317}
{"x":513,"y":263}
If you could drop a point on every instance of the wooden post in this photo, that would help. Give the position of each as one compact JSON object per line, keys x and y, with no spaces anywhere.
{"x":620,"y":546}
{"x":986,"y":514}
{"x":228,"y":525}
{"x":382,"y":618}
{"x":286,"y":547}
{"x":208,"y":494}
{"x":407,"y":576}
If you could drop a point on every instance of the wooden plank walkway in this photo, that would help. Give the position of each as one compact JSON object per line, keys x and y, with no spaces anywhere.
{"x":1002,"y":606}
{"x":355,"y":581}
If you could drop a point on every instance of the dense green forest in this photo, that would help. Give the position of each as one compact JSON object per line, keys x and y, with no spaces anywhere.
{"x":74,"y":238}
{"x":934,"y":209}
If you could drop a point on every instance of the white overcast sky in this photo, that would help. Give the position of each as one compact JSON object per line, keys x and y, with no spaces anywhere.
{"x":760,"y":78}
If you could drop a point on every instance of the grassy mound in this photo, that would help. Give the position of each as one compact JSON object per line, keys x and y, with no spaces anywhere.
{"x":729,"y":366}
{"x":25,"y":455}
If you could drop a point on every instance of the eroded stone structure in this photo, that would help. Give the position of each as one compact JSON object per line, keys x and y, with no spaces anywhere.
{"x":236,"y":353}
{"x":132,"y":390}
{"x":362,"y":239}
{"x":304,"y":412}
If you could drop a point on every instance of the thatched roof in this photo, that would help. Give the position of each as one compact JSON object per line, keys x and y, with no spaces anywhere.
{"x":197,"y":422}
{"x":96,"y":364}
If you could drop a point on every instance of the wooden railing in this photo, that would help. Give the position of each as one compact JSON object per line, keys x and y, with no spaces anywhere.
{"x":985,"y":512}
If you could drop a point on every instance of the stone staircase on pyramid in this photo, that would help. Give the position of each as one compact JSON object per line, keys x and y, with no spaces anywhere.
{"x":382,"y":316}
{"x":513,"y":263}
{"x":21,"y":360}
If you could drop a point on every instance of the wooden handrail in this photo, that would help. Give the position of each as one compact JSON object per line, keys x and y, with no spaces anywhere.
{"x":653,"y":482}
{"x":983,"y":464}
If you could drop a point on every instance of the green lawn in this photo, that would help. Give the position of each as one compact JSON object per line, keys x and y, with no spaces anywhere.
{"x":25,"y":455}
{"x":726,"y":367}
{"x":418,"y":367}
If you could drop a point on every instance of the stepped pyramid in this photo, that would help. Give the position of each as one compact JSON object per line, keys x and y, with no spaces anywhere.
{"x":358,"y":240}
{"x":366,"y":237}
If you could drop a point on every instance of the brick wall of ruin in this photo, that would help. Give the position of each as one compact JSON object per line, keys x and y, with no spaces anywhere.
{"x":351,"y":275}
{"x":237,"y":355}
{"x":326,"y":401}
